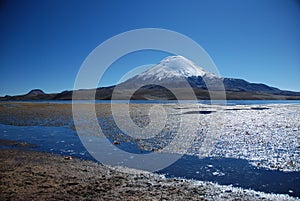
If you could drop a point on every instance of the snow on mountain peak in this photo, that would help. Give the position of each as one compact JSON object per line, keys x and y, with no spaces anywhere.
{"x":174,"y":66}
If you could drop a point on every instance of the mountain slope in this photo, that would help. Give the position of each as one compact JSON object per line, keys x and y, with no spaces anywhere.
{"x":174,"y":71}
{"x":174,"y":74}
{"x":174,"y":67}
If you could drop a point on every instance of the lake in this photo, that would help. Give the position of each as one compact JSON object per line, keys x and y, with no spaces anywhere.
{"x":257,"y":148}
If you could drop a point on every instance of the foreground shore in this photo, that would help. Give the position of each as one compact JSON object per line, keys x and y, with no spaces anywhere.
{"x":28,"y":175}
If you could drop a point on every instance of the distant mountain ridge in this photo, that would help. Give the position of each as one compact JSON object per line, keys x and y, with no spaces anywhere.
{"x":35,"y":92}
{"x":175,"y":73}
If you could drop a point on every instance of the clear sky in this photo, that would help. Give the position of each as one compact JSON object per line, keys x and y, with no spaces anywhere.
{"x":43,"y":43}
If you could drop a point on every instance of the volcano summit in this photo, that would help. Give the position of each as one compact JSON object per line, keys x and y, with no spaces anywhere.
{"x":175,"y":73}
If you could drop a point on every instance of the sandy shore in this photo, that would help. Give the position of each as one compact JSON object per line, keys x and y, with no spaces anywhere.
{"x":28,"y":175}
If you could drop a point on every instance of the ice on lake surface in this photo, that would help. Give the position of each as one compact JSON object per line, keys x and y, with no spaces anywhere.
{"x":267,"y":136}
{"x":226,"y":140}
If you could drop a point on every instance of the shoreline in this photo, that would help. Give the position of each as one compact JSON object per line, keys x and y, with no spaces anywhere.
{"x":255,"y":137}
{"x":35,"y":175}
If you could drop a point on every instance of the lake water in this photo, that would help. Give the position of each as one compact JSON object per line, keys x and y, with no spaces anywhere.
{"x":227,"y":171}
{"x":226,"y":102}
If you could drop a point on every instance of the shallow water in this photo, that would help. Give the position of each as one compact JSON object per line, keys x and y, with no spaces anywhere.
{"x":226,"y":102}
{"x":236,"y":172}
{"x":258,"y":146}
{"x":229,"y":171}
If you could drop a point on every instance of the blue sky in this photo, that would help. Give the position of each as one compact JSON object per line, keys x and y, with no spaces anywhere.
{"x":43,"y":43}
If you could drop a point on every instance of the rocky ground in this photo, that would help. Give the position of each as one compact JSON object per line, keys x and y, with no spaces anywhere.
{"x":28,"y":175}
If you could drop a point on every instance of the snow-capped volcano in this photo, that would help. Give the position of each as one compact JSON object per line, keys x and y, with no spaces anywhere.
{"x":178,"y":74}
{"x":174,"y":67}
{"x":174,"y":72}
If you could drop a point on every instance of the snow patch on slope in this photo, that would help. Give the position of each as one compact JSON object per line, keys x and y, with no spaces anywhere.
{"x":174,"y":67}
